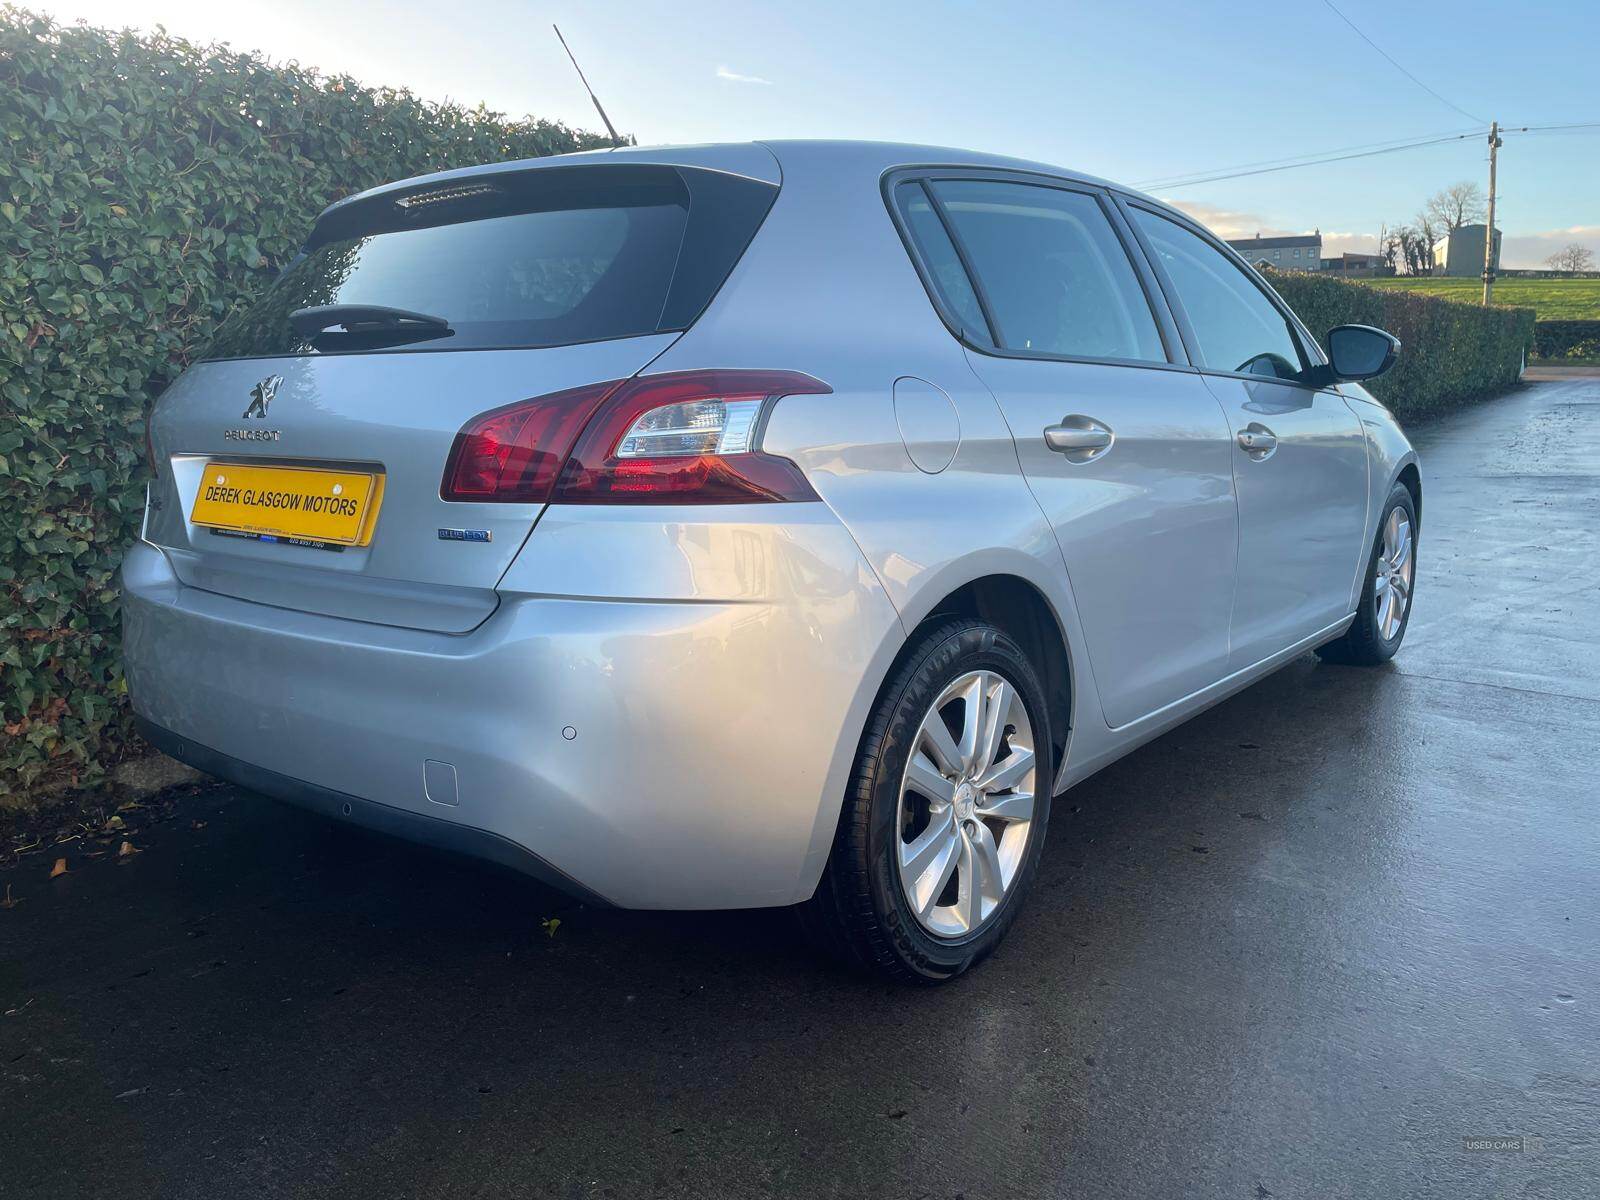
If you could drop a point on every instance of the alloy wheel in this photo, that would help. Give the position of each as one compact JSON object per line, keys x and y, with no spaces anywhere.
{"x":1391,"y":593}
{"x":966,"y":804}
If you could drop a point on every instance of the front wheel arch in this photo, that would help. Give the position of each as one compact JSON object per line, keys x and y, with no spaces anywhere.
{"x":1410,"y":477}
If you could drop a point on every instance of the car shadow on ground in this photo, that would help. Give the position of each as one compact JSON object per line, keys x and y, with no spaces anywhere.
{"x":286,"y":900}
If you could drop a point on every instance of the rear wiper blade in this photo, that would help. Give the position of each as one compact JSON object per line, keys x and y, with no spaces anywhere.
{"x":366,"y":318}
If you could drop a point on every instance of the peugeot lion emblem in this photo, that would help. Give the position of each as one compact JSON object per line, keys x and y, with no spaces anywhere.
{"x":261,"y":396}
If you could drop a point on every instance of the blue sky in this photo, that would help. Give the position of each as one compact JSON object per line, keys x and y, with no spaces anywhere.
{"x":1134,"y":91}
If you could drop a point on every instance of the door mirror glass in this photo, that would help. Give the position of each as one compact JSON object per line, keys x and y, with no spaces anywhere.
{"x":1361,"y":352}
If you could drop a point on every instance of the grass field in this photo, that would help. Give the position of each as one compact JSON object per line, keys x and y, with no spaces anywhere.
{"x":1553,"y":299}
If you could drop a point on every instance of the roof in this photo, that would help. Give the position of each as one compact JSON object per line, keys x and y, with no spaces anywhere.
{"x":885,"y":156}
{"x":757,"y":160}
{"x":1274,"y":243}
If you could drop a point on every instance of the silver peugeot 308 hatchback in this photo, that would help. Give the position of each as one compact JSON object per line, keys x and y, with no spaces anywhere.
{"x":753,"y":525}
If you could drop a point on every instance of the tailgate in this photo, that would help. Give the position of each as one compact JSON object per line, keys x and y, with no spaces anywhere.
{"x":428,"y":563}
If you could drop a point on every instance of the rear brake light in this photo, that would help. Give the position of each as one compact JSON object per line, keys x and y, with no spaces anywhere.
{"x":514,"y":454}
{"x":692,"y":437}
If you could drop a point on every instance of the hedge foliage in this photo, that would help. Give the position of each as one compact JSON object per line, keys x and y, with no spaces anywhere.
{"x":1451,"y":353}
{"x":147,"y":186}
{"x":1567,"y":339}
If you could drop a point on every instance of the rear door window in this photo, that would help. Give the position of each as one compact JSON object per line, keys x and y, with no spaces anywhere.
{"x":1236,"y":327}
{"x":541,"y":258}
{"x":1051,"y":270}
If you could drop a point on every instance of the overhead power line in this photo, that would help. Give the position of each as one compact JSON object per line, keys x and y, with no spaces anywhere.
{"x":1266,"y":166}
{"x":1297,"y":159}
{"x":1181,"y":181}
{"x":1398,"y":67}
{"x":1576,"y":125}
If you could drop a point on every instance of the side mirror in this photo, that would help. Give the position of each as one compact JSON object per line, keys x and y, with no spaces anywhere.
{"x":1361,"y":352}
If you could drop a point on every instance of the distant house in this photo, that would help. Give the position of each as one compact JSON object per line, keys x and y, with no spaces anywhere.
{"x":1461,"y":253}
{"x":1350,"y":263}
{"x":1302,"y":252}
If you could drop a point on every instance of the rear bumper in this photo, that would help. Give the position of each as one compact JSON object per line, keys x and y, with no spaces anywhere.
{"x":680,"y":753}
{"x":384,"y":818}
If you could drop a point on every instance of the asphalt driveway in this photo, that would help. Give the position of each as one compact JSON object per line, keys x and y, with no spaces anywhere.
{"x":1308,"y":945}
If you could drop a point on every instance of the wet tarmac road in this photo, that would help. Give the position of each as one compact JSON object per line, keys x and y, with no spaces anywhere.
{"x":1303,"y":946}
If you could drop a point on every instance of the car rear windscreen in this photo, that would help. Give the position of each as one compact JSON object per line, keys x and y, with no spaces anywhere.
{"x":546,"y":257}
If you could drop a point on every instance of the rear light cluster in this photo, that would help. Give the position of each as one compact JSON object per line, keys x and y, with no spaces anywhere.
{"x":686,"y":438}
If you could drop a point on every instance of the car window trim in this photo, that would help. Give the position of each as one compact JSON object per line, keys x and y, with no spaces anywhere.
{"x":980,"y":291}
{"x":1310,"y":351}
{"x":1166,"y":328}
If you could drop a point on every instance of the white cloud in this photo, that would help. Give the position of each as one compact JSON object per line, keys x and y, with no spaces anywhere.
{"x":1335,"y":242}
{"x":1531,"y":249}
{"x":735,"y":77}
{"x":1234,"y":223}
{"x":1228,"y":222}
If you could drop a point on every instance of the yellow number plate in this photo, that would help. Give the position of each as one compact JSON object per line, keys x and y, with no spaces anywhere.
{"x":340,"y":507}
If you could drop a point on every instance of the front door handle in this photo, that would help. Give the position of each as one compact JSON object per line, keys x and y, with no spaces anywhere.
{"x":1257,"y":441}
{"x":1079,"y":438}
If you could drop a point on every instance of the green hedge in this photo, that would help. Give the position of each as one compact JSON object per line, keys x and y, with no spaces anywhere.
{"x":1567,"y":339}
{"x":147,"y":185}
{"x":1451,"y":353}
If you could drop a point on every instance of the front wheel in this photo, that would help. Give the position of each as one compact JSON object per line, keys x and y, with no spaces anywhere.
{"x":1380,"y":624}
{"x":946,"y":813}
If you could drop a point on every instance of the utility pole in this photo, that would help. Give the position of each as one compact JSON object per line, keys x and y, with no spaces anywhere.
{"x":1488,"y":234}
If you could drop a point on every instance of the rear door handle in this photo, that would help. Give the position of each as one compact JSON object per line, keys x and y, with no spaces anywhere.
{"x":1257,"y":441}
{"x":1079,"y":438}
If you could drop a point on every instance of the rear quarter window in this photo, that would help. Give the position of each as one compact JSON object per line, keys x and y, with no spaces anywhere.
{"x":938,"y":252}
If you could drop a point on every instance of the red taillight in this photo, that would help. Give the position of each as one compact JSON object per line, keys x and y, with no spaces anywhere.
{"x":514,"y":454}
{"x":690,"y":437}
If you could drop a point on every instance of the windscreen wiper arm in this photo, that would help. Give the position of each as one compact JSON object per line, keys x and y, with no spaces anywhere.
{"x":366,"y":318}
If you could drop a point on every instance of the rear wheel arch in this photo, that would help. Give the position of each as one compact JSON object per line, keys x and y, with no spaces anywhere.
{"x":1018,"y":607}
{"x":1021,"y":609}
{"x":862,"y":910}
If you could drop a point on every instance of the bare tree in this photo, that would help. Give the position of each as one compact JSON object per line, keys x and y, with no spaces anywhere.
{"x":1429,"y":235}
{"x":1388,"y":246}
{"x":1411,"y":249}
{"x":1459,"y":204}
{"x":1574,"y":256}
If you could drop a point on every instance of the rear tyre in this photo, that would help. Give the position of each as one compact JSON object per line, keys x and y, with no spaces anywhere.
{"x":946,"y":811}
{"x":1385,"y":608}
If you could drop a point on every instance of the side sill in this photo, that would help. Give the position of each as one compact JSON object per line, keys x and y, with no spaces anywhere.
{"x":1169,"y":716}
